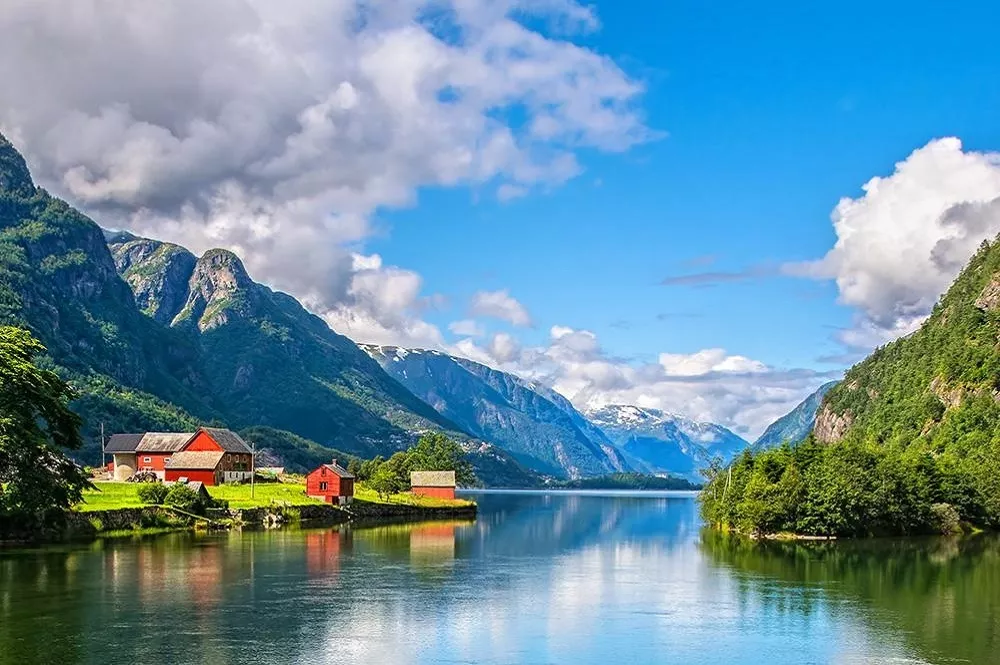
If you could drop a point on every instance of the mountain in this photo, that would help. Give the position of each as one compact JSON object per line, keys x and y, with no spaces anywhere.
{"x":155,"y":338}
{"x":907,"y":443}
{"x":941,"y":384}
{"x":266,"y":358}
{"x":795,"y":425}
{"x":659,"y":442}
{"x":540,"y":428}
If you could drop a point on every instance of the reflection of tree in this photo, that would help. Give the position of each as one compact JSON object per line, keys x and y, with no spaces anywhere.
{"x":942,"y":595}
{"x":26,"y":585}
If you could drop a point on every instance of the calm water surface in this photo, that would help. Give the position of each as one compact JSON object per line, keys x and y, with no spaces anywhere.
{"x":538,"y":578}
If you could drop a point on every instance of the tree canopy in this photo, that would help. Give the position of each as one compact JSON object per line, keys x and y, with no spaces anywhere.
{"x":37,"y":480}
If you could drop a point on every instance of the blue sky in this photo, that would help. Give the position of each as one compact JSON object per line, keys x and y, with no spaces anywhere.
{"x":672,"y":204}
{"x":772,"y":113}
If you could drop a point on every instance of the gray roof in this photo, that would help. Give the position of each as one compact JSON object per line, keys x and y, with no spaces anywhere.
{"x":122,"y":443}
{"x":339,"y":470}
{"x":197,"y":459}
{"x":163,"y":442}
{"x":432,"y":478}
{"x":230,"y":441}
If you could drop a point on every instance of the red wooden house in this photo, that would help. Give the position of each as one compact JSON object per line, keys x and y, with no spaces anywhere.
{"x":437,"y":484}
{"x":332,"y":483}
{"x":210,"y":455}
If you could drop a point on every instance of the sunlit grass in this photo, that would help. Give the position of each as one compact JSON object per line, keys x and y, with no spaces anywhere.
{"x":114,"y":495}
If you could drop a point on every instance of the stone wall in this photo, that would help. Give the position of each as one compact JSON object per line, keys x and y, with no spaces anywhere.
{"x":370,"y":511}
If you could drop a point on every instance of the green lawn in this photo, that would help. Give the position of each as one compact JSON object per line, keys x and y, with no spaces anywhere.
{"x":264,"y":494}
{"x":364,"y":494}
{"x":111,"y":495}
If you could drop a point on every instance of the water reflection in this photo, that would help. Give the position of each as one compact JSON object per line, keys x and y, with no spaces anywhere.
{"x":535,"y":579}
{"x":942,"y":595}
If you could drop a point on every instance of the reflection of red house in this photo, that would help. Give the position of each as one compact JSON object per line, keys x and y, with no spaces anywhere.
{"x":438,"y":484}
{"x":332,"y":483}
{"x":323,"y":551}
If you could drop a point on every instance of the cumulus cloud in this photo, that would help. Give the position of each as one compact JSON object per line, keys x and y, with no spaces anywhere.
{"x":499,"y":305}
{"x":382,"y":305}
{"x":902,"y":243}
{"x":277,"y":129}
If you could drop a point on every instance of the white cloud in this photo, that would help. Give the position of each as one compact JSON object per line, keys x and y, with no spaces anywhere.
{"x":901,"y":244}
{"x":466,"y":328}
{"x":712,"y":385}
{"x":499,"y":305}
{"x":504,"y":347}
{"x":278,"y":129}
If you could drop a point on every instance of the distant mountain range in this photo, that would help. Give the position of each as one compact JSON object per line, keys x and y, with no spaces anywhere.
{"x":653,"y":441}
{"x":539,"y":427}
{"x":795,"y":425}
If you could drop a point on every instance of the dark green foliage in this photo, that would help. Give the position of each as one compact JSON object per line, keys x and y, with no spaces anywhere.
{"x":853,"y":489}
{"x":154,"y":493}
{"x":37,"y":481}
{"x":433,"y":452}
{"x":185,"y":498}
{"x":630,"y":481}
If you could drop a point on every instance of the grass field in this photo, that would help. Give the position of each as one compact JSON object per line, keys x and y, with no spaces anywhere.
{"x":111,"y":495}
{"x":364,"y":494}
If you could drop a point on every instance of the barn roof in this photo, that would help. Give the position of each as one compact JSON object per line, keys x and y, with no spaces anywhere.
{"x":339,"y":470}
{"x":195,"y":459}
{"x":230,"y":441}
{"x":163,"y":442}
{"x":432,"y":478}
{"x":122,"y":443}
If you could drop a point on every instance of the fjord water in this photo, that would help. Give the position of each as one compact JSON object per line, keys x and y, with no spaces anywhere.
{"x":537,"y":578}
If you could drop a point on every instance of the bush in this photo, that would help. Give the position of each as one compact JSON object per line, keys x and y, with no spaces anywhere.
{"x":185,"y":498}
{"x":946,"y":519}
{"x":153,"y":493}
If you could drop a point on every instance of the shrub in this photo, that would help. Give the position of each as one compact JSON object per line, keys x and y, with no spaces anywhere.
{"x":185,"y":498}
{"x":153,"y":493}
{"x":946,"y":519}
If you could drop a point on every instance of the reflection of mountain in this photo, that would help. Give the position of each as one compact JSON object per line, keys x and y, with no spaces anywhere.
{"x":524,"y":523}
{"x":942,"y":595}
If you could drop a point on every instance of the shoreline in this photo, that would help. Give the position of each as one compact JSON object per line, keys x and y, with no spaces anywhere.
{"x":91,"y":525}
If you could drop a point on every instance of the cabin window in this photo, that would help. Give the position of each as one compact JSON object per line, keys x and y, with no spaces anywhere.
{"x":146,"y":460}
{"x":322,"y":487}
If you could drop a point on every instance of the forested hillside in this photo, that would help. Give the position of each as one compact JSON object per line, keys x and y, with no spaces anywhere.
{"x":908,"y":442}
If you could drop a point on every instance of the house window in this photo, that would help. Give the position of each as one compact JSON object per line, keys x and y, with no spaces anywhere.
{"x":322,"y":487}
{"x":147,"y":460}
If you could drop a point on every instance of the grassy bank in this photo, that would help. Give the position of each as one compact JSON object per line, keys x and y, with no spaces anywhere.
{"x":363,"y":493}
{"x":112,"y":496}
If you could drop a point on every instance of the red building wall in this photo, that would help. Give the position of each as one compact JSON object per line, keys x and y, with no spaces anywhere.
{"x":202,"y":441}
{"x":193,"y":475}
{"x":157,"y":461}
{"x":436,"y":492}
{"x":335,"y":485}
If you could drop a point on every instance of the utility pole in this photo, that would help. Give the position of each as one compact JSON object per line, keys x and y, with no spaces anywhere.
{"x":253,"y":465}
{"x":104,"y":461}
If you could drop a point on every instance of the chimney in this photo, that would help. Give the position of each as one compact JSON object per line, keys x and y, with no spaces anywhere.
{"x":334,"y":462}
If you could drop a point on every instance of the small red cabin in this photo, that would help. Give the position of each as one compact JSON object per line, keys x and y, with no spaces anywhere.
{"x":332,"y":483}
{"x":437,"y":484}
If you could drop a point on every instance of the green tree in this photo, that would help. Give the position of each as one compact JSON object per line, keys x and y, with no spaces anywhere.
{"x":37,"y":480}
{"x":436,"y":452}
{"x":385,"y":482}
